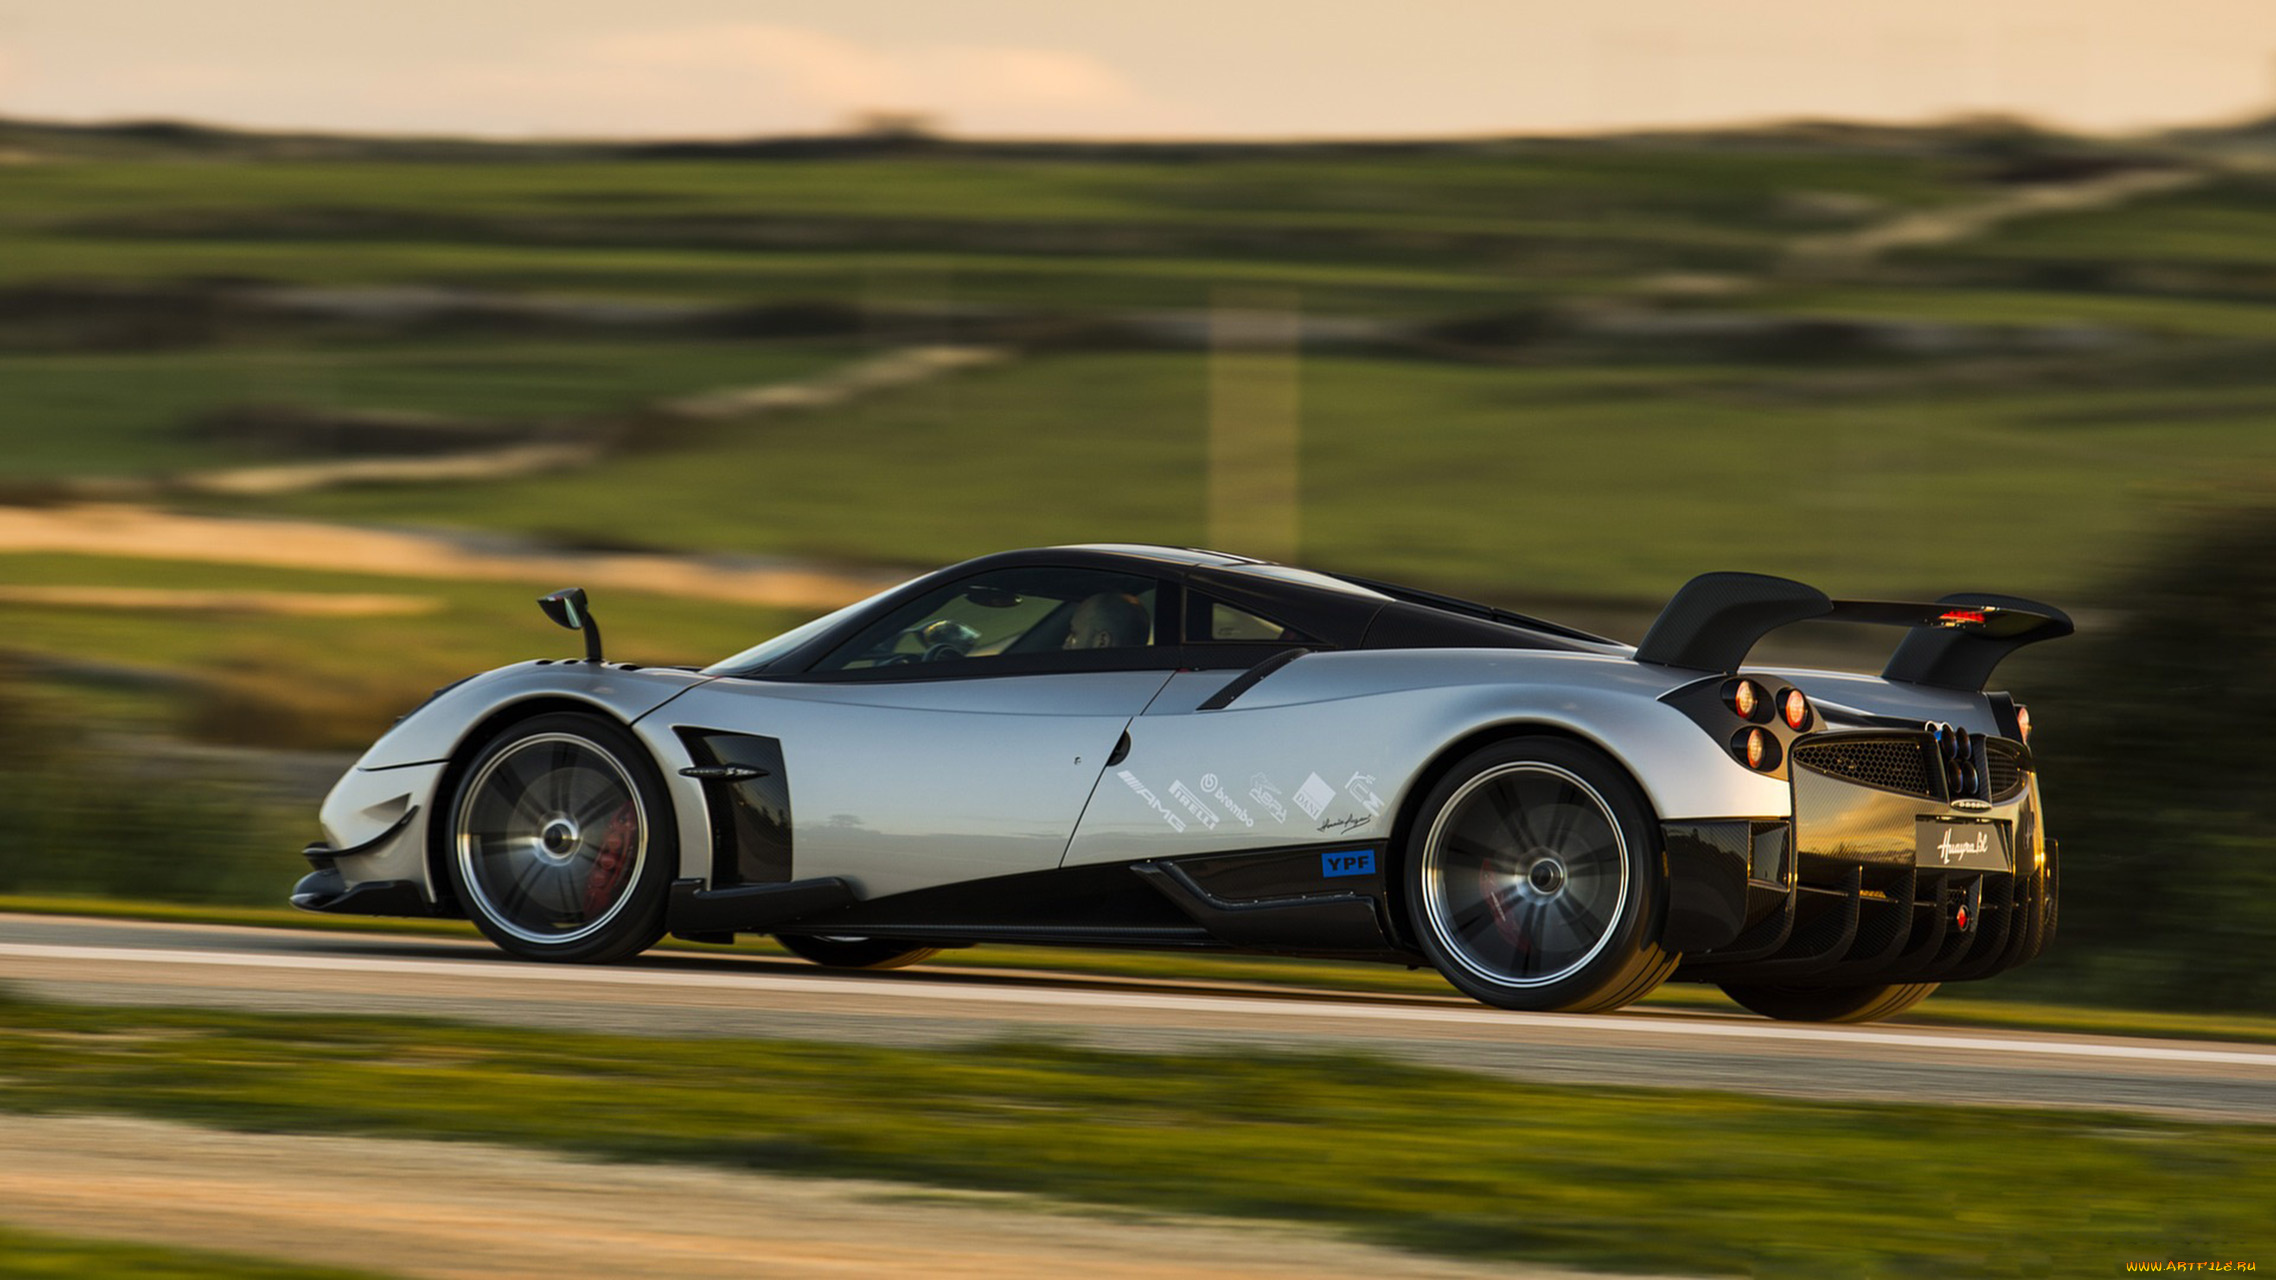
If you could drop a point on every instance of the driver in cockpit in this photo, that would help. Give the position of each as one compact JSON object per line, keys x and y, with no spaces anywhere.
{"x":1108,"y":620}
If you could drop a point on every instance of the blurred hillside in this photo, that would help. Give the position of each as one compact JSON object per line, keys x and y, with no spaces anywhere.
{"x":1558,"y":374}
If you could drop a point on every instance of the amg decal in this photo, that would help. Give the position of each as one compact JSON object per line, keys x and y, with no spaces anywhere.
{"x":1215,"y":790}
{"x":1176,"y":823}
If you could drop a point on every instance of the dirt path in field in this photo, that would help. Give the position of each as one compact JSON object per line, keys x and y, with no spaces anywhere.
{"x":1961,"y":221}
{"x":828,"y":389}
{"x":287,"y":604}
{"x":117,"y":529}
{"x":452,"y":1210}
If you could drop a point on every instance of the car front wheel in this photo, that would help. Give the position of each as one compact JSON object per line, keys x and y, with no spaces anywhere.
{"x":1533,"y":880}
{"x":561,"y":841}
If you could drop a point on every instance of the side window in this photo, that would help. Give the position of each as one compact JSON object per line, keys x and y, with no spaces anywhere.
{"x":1215,"y":622}
{"x":1038,"y":610}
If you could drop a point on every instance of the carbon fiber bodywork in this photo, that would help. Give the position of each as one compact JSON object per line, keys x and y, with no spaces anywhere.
{"x":1866,"y":883}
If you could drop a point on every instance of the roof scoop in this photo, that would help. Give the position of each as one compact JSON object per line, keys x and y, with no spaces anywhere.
{"x":567,"y":608}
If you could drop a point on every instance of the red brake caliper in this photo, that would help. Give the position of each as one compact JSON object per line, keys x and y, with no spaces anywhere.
{"x":613,"y":861}
{"x":1505,"y":924}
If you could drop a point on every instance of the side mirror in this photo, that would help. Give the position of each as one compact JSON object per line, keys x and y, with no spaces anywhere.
{"x":567,"y":609}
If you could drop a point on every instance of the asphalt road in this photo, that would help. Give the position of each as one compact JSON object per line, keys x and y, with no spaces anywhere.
{"x":687,"y":994}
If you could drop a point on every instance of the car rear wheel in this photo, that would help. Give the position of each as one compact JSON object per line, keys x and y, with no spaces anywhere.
{"x":1829,"y":1004}
{"x":855,"y":953}
{"x":1533,"y":879}
{"x":561,"y":841}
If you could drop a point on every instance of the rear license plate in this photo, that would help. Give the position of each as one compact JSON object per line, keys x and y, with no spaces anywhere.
{"x":1970,"y":846}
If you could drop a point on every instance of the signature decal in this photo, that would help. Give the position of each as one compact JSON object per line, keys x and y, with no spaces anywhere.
{"x":1950,"y":851}
{"x":1176,"y":823}
{"x":1349,"y":823}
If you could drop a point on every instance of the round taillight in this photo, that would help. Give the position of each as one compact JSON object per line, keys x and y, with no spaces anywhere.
{"x":1755,"y":750}
{"x":1796,"y":709}
{"x":2023,"y":722}
{"x":1746,"y":699}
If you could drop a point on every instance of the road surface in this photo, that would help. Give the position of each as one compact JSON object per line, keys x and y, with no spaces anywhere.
{"x":690,"y":994}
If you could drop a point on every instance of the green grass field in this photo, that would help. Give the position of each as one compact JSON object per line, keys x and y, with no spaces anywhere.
{"x":1431,"y":1160}
{"x":1501,"y":478}
{"x":1525,"y":209}
{"x":1514,"y":482}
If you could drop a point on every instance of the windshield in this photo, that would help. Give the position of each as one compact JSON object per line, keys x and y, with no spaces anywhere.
{"x":768,"y":650}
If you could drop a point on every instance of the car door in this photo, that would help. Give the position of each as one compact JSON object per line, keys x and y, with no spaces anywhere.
{"x":1264,"y":774}
{"x":961,"y":736}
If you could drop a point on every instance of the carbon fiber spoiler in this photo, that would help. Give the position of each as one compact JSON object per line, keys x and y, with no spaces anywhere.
{"x":1954,"y":643}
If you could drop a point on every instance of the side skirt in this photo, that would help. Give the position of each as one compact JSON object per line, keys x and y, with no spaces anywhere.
{"x":1306,"y":901}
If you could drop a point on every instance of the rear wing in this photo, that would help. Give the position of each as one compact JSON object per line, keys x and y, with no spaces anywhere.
{"x":1716,"y":619}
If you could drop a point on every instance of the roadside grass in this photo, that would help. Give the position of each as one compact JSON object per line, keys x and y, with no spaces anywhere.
{"x":1983,"y":1006}
{"x":129,"y":413}
{"x":1497,"y":480}
{"x":1424,"y":1159}
{"x":29,"y":1255}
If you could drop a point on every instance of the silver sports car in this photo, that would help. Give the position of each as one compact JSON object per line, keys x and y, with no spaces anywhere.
{"x":1136,"y":746}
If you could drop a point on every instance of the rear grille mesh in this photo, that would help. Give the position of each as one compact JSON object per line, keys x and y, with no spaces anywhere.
{"x":1892,"y":764}
{"x":2004,"y":771}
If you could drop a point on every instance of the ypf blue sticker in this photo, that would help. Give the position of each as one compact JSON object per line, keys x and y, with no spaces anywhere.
{"x":1349,"y":862}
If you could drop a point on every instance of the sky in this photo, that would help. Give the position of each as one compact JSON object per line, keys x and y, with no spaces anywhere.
{"x":1130,"y":68}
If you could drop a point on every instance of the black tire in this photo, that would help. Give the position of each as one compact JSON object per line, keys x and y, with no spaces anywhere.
{"x":855,"y":953}
{"x":560,"y":840}
{"x":1533,"y":881}
{"x":1829,"y":1004}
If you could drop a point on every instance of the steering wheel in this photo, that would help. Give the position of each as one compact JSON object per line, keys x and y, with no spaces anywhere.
{"x":939,"y":651}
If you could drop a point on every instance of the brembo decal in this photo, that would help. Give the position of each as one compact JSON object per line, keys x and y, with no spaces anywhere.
{"x":1314,"y":795}
{"x":1201,"y":812}
{"x":1358,"y":789}
{"x":1176,"y":823}
{"x":1350,"y":862}
{"x":1215,"y":790}
{"x":1267,"y":797}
